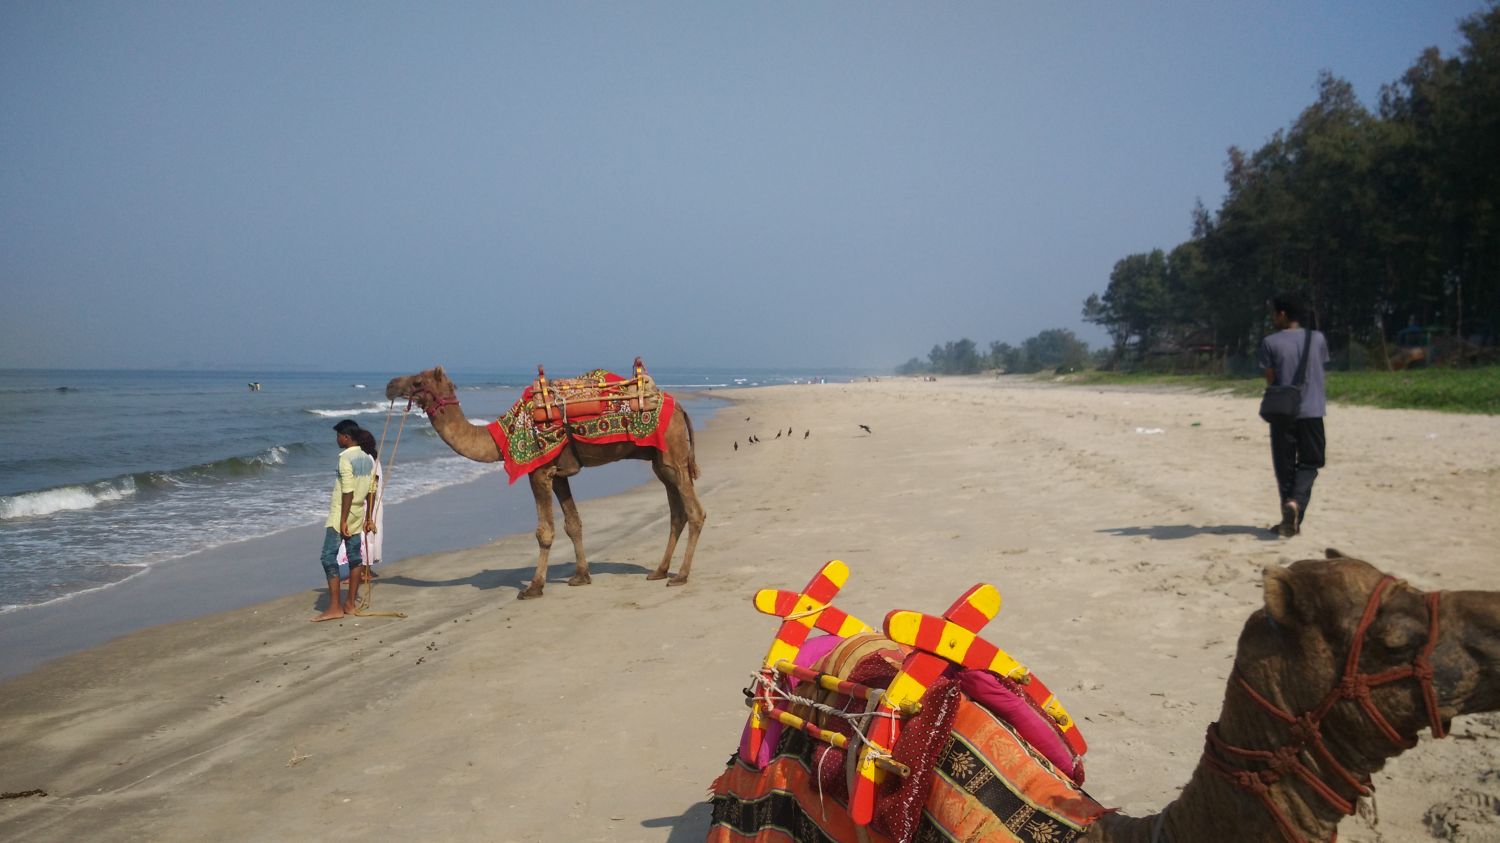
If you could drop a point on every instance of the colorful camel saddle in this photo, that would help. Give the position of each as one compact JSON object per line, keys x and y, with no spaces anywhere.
{"x":924,"y":732}
{"x":597,"y":408}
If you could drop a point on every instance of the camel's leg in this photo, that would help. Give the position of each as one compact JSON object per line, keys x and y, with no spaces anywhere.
{"x":686,"y":510}
{"x":573,"y":525}
{"x":541,"y":490}
{"x":679,"y":519}
{"x":695,"y":518}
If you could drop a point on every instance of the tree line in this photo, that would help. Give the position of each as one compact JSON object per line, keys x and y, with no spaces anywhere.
{"x":1380,"y":221}
{"x":1053,"y":349}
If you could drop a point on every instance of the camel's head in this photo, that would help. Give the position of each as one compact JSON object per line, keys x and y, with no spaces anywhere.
{"x":1295,"y":649}
{"x":425,"y":389}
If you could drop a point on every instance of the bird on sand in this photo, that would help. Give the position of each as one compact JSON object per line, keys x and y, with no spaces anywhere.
{"x":789,"y":431}
{"x":866,"y":428}
{"x":778,"y":435}
{"x":736,"y":444}
{"x":806,"y":433}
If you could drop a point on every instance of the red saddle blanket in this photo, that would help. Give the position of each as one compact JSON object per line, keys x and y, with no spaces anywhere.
{"x":527,"y":444}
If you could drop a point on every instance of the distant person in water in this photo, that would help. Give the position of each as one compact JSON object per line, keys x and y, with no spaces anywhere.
{"x":346,"y":518}
{"x":1297,"y":447}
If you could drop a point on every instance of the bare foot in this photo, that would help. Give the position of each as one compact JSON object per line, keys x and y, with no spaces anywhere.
{"x":330,"y":615}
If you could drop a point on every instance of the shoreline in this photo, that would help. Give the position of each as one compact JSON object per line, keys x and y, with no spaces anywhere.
{"x":240,"y":574}
{"x":604,"y":712}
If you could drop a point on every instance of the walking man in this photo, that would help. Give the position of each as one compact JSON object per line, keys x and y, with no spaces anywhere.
{"x":1296,"y":447}
{"x":346,"y":518}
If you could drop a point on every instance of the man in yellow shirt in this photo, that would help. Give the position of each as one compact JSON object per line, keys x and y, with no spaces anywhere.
{"x":346,"y":518}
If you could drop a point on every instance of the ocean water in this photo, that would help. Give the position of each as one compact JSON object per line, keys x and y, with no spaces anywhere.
{"x":104,"y":474}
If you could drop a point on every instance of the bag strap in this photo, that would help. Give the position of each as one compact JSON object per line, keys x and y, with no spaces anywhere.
{"x":1302,"y":364}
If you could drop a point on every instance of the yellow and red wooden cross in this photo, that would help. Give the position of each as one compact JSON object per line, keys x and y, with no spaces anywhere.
{"x":802,"y":612}
{"x":954,"y":637}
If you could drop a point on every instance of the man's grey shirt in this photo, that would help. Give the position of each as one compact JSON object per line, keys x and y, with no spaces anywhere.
{"x":1281,"y":351}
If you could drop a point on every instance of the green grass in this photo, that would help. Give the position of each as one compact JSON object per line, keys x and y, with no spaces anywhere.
{"x":1446,"y":390}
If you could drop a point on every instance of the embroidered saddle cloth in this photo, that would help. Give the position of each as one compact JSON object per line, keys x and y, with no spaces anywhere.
{"x":597,"y":408}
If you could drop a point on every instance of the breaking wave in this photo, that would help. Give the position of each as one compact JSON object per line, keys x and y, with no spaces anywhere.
{"x":89,"y":495}
{"x":65,"y":498}
{"x":368,"y":408}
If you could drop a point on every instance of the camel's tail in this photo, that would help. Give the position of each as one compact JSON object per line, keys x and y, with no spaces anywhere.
{"x":692,"y":448}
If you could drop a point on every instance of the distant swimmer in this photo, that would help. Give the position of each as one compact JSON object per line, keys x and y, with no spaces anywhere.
{"x":866,"y":428}
{"x":254,"y":386}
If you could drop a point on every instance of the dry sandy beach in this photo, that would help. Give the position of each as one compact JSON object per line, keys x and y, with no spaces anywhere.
{"x":1128,"y":560}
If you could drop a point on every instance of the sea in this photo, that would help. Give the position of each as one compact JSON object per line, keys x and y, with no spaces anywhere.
{"x":105,"y":474}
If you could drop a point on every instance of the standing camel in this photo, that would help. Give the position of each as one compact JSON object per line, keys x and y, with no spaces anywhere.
{"x":435,"y":394}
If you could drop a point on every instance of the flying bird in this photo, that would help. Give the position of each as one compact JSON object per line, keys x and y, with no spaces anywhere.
{"x":866,"y":428}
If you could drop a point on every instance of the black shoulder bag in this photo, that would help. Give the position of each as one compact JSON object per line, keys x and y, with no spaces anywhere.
{"x":1281,"y":404}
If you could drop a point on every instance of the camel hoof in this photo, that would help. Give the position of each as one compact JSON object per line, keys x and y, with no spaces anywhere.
{"x":677,"y":580}
{"x":580,"y":579}
{"x":657,"y":575}
{"x":531,"y":593}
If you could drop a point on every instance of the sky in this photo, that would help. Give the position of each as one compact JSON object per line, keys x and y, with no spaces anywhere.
{"x":379,"y":186}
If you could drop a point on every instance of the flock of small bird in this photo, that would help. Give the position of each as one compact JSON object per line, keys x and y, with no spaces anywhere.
{"x":753,"y":439}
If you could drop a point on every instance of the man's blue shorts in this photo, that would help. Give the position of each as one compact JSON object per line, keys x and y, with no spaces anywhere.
{"x":330,"y":558}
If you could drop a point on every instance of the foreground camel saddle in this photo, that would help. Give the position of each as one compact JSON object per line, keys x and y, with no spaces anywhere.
{"x":929,"y":732}
{"x":559,"y":427}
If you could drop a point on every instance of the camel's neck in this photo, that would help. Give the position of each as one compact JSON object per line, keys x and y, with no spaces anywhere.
{"x":1211,"y":808}
{"x":464,"y":437}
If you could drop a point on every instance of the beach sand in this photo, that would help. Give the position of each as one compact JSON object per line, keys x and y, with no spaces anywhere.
{"x":1128,"y":560}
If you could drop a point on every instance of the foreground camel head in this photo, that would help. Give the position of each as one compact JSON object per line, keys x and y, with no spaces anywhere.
{"x":423,"y":389}
{"x":1298,"y":648}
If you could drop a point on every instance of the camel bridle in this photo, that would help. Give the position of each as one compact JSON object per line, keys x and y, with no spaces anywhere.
{"x":429,"y":401}
{"x":1305,"y":731}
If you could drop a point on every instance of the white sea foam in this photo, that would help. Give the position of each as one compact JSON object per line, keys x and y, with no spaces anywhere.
{"x":48,"y":501}
{"x":368,"y":409}
{"x":141,"y":570}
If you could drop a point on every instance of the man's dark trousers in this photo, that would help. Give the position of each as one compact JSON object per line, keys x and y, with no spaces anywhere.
{"x":1297,"y":454}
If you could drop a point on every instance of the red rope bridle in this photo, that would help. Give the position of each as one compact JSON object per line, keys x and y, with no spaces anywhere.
{"x":1305,"y":732}
{"x":430,"y":402}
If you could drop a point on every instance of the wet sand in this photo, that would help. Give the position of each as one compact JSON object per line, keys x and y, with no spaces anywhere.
{"x":1128,"y":561}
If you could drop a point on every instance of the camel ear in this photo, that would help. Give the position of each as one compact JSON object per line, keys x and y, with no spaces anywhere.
{"x":1281,"y":598}
{"x":1334,"y":553}
{"x":438,"y":371}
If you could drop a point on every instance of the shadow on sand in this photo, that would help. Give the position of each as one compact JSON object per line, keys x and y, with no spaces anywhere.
{"x":692,"y":825}
{"x":1167,"y":532}
{"x":557,"y":574}
{"x":487,"y":579}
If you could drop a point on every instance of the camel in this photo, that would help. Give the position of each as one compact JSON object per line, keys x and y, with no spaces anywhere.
{"x":676,"y":467}
{"x":1333,"y":677}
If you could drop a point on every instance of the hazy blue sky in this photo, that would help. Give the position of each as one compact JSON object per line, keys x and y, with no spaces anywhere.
{"x":392,"y":185}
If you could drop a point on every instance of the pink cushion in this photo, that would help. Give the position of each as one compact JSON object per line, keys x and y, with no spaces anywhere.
{"x":1036,"y":728}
